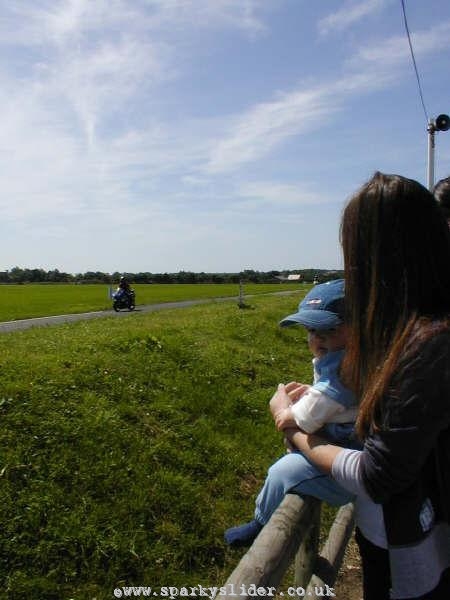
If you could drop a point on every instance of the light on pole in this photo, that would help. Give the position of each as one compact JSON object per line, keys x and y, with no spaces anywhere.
{"x":441,"y":123}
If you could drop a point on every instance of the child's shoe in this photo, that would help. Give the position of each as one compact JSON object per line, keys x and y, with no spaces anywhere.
{"x":243,"y":535}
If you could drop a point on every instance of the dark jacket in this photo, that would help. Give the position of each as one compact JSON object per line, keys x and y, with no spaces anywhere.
{"x":406,"y":464}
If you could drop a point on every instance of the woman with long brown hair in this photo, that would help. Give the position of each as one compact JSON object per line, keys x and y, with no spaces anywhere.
{"x":396,"y":246}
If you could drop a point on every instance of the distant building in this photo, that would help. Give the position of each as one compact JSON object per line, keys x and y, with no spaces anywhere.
{"x":293,"y":277}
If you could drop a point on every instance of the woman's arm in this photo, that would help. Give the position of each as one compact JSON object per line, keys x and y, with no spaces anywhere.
{"x":316,"y":449}
{"x":342,"y":464}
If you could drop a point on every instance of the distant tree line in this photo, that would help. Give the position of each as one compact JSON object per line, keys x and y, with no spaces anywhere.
{"x":18,"y":275}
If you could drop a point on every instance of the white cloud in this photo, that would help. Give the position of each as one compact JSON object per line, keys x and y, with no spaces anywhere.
{"x":99,"y":138}
{"x":94,"y":82}
{"x":395,"y":50}
{"x":240,"y":14}
{"x":267,"y":125}
{"x":279,"y":194}
{"x":98,"y":82}
{"x":257,"y":132}
{"x":264,"y":126}
{"x":348,"y":15}
{"x":194,"y":181}
{"x":92,"y":57}
{"x":58,"y":21}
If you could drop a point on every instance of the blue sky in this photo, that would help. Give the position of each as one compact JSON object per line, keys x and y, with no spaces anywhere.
{"x":207,"y":135}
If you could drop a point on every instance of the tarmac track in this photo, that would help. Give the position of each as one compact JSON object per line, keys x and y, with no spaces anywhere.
{"x":20,"y":324}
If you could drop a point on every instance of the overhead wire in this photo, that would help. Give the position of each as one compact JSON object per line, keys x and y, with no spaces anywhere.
{"x":414,"y":60}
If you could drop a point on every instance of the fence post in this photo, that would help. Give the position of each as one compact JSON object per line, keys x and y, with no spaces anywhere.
{"x":292,"y":531}
{"x":266,"y":561}
{"x":306,"y":556}
{"x":330,"y":559}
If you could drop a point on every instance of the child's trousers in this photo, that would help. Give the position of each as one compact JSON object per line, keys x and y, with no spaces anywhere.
{"x":294,"y":473}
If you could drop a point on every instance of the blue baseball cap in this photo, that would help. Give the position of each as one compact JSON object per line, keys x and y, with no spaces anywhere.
{"x":321,"y":308}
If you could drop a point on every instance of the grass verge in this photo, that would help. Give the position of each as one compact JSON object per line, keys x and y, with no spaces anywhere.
{"x":129,"y":445}
{"x":42,"y":300}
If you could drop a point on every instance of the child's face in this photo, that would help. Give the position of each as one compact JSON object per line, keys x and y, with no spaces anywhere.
{"x":322,"y":341}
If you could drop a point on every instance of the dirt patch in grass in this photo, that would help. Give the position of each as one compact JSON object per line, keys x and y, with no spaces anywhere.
{"x":348,"y":585}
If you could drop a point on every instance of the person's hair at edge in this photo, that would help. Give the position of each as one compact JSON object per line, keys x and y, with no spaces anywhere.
{"x":441,"y":192}
{"x":396,"y":246}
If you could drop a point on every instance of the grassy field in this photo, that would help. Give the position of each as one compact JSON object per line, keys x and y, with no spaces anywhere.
{"x":129,"y":445}
{"x":34,"y":300}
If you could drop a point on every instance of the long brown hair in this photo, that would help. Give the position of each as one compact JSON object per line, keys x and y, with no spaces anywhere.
{"x":396,"y":246}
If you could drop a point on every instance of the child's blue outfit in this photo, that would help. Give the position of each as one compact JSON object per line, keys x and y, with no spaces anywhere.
{"x":293,"y":472}
{"x":328,"y":408}
{"x":326,"y":399}
{"x":328,"y":405}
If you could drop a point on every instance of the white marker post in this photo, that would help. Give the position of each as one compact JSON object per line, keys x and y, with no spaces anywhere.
{"x":241,"y":302}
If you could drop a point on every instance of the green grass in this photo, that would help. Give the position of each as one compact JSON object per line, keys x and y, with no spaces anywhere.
{"x":34,"y":300}
{"x":129,"y":445}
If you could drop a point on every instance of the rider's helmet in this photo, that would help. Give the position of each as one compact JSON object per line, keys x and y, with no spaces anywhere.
{"x":123,"y":283}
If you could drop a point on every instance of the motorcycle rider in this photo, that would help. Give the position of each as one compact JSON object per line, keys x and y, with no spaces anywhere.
{"x":124,"y":296}
{"x":124,"y":289}
{"x":124,"y":285}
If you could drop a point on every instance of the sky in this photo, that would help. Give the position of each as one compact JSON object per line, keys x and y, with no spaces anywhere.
{"x":207,"y":135}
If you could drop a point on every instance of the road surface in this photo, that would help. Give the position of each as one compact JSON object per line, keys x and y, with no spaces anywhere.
{"x":7,"y":326}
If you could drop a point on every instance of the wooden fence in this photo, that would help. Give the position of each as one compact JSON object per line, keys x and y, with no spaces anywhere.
{"x":292,"y":534}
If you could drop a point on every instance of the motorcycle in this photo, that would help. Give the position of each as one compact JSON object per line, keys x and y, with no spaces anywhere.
{"x":123,"y":299}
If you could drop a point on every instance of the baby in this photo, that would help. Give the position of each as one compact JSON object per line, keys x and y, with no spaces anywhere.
{"x":326,"y":406}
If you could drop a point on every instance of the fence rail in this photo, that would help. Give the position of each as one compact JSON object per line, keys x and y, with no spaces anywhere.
{"x":292,"y":535}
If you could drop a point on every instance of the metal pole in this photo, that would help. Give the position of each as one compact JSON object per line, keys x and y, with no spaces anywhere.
{"x":430,"y":175}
